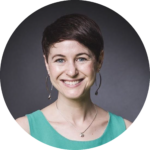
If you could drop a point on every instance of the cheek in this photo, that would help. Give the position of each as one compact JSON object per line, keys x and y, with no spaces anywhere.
{"x":89,"y":69}
{"x":54,"y":71}
{"x":90,"y":73}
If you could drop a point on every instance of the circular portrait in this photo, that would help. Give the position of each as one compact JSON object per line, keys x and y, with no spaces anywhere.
{"x":75,"y":75}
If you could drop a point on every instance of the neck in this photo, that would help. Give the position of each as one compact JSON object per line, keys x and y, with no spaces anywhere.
{"x":76,"y":110}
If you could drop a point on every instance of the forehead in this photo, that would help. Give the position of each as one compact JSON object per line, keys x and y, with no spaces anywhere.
{"x":69,"y":47}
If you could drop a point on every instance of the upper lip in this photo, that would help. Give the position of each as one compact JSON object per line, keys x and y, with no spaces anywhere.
{"x":71,"y":80}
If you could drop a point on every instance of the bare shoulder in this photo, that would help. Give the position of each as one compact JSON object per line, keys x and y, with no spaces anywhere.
{"x":105,"y":115}
{"x":127,"y":123}
{"x":23,"y":122}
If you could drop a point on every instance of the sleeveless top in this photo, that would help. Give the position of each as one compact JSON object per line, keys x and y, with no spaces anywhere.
{"x":41,"y":129}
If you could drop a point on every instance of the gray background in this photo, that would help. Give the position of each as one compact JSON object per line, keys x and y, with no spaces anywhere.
{"x":125,"y":71}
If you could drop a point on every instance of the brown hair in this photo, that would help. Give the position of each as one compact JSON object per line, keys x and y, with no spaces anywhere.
{"x":73,"y":27}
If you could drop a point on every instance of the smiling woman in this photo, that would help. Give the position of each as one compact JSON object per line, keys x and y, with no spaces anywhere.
{"x":73,"y":54}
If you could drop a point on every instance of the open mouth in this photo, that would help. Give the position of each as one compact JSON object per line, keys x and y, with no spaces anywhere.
{"x":72,"y":83}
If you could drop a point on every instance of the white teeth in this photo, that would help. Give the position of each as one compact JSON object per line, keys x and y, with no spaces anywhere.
{"x":71,"y":82}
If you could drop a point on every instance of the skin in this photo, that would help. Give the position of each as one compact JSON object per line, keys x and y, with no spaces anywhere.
{"x":72,"y":66}
{"x":70,"y":60}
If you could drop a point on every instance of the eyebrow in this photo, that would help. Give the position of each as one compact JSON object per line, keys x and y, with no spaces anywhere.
{"x":60,"y":55}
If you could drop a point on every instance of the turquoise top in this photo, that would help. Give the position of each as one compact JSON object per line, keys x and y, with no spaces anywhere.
{"x":41,"y":129}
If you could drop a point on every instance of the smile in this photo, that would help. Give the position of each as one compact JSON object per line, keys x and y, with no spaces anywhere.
{"x":73,"y":83}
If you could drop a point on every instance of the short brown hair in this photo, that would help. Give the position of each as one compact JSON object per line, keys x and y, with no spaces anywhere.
{"x":73,"y":27}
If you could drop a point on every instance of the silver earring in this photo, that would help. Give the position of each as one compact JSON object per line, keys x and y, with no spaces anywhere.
{"x":95,"y":82}
{"x":96,"y":93}
{"x":49,"y":97}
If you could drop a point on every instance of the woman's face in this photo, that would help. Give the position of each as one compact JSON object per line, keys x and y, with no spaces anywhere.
{"x":72,"y":68}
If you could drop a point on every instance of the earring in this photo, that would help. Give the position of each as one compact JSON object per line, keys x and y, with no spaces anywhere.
{"x":95,"y":82}
{"x":96,"y":93}
{"x":49,"y":97}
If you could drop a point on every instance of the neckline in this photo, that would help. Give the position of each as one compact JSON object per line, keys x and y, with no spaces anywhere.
{"x":105,"y":131}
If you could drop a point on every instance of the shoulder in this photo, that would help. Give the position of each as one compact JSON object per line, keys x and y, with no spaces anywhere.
{"x":105,"y":115}
{"x":23,"y":122}
{"x":127,"y":123}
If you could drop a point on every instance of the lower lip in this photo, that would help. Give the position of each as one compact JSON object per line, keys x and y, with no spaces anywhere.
{"x":72,"y":86}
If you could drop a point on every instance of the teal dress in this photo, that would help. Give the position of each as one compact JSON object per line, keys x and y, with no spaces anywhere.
{"x":41,"y":129}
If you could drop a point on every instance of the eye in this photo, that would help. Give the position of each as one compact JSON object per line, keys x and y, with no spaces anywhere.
{"x":81,"y":59}
{"x":59,"y":59}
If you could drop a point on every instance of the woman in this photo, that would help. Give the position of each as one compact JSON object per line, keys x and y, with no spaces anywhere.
{"x":73,"y":54}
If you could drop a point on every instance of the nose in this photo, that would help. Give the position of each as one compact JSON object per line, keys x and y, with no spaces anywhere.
{"x":72,"y":70}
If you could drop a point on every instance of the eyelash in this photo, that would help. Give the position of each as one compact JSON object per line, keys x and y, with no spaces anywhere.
{"x":58,"y":60}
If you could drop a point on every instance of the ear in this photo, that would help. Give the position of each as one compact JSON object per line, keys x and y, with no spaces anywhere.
{"x":100,"y":60}
{"x":46,"y":64}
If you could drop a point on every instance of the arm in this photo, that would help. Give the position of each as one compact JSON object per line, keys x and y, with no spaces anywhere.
{"x":127,"y":123}
{"x":23,"y":122}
